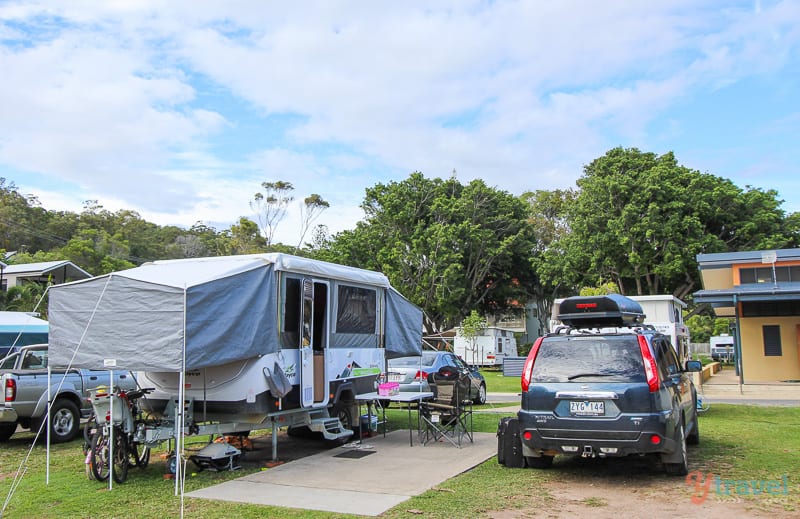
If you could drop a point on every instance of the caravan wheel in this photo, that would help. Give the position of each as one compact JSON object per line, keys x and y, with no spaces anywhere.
{"x":345,"y":415}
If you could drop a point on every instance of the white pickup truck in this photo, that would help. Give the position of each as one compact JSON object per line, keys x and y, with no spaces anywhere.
{"x":23,"y":378}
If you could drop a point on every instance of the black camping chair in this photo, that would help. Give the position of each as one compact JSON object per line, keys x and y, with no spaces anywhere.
{"x":449,"y":414}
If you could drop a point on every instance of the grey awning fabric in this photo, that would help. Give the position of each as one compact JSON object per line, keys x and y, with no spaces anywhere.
{"x":195,"y":313}
{"x":133,"y":323}
{"x":403,"y":326}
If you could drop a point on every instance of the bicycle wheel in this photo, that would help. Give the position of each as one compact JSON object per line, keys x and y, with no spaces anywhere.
{"x":138,"y":456}
{"x":120,"y":455}
{"x":100,"y":456}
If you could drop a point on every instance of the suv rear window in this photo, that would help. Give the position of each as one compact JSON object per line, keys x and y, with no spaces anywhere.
{"x":589,"y":359}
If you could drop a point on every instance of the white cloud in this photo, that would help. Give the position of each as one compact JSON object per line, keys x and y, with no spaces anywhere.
{"x":135,"y":102}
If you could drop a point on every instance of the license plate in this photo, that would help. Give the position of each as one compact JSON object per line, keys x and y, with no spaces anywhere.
{"x":587,"y":408}
{"x":395,"y":377}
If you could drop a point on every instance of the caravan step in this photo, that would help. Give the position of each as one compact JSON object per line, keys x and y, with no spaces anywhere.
{"x":331,"y":428}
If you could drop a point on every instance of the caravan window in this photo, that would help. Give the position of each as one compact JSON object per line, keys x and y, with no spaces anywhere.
{"x":356,"y":310}
{"x":291,"y":310}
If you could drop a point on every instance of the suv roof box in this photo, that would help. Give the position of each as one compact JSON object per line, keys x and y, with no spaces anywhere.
{"x":600,"y":311}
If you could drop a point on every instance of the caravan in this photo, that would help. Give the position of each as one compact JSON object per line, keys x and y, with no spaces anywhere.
{"x":19,"y":329}
{"x":662,"y":312}
{"x":488,"y":348}
{"x":242,"y":341}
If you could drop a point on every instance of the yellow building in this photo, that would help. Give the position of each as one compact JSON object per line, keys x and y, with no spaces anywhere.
{"x":761,"y":290}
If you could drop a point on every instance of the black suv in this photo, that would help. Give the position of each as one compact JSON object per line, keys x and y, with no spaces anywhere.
{"x":607,"y":385}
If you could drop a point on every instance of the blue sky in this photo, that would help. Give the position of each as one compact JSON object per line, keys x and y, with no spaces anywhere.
{"x":179,"y":110}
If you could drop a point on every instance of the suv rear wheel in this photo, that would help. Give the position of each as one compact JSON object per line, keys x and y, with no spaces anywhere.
{"x":681,"y":466}
{"x":694,"y":437}
{"x":541,"y":462}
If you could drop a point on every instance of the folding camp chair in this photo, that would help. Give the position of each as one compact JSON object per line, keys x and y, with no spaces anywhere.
{"x":449,"y":415}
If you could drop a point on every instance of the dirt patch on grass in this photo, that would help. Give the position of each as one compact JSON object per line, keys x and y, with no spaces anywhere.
{"x":635,"y":487}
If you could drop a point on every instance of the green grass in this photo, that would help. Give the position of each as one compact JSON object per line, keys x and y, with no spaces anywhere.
{"x":497,"y":383}
{"x":737,"y":442}
{"x":705,"y":359}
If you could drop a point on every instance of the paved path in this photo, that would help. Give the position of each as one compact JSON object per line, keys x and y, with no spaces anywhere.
{"x":364,"y":479}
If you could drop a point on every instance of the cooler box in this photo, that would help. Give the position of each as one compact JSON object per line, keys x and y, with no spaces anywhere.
{"x":369,"y":423}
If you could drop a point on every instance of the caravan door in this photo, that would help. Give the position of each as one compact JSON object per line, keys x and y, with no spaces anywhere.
{"x":313,"y":344}
{"x":306,"y":348}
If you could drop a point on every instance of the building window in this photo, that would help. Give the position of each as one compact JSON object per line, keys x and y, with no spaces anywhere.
{"x":770,"y":308}
{"x":757,"y":275}
{"x":772,"y":340}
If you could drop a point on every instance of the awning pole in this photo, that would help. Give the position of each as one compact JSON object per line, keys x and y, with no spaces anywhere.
{"x":47,"y":422}
{"x":111,"y":430}
{"x":738,"y":338}
{"x":180,"y":416}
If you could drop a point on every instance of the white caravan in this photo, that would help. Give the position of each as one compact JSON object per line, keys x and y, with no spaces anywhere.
{"x":663,"y":312}
{"x":723,"y":348}
{"x":488,"y":348}
{"x":243,"y":341}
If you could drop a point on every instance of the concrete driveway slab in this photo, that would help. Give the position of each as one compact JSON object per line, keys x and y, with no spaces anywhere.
{"x":360,"y":484}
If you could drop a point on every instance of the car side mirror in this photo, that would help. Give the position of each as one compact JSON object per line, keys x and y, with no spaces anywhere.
{"x":693,"y":365}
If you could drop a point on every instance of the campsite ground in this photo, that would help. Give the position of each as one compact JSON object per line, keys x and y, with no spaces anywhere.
{"x":767,"y":449}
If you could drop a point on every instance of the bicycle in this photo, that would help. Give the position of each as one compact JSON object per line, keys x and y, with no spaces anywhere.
{"x":128,"y":432}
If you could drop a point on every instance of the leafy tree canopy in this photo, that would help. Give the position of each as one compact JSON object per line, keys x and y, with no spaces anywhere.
{"x":448,"y":247}
{"x":639,"y":219}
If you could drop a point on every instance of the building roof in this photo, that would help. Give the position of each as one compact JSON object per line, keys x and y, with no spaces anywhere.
{"x":745,"y":293}
{"x":39,"y":269}
{"x":726,"y":259}
{"x":726,"y":297}
{"x":22,"y":321}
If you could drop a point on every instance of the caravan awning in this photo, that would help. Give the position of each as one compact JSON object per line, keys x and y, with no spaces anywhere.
{"x":194,"y":313}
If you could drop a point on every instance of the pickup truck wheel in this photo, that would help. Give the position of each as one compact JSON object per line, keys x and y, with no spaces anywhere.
{"x":64,"y":421}
{"x":6,"y":430}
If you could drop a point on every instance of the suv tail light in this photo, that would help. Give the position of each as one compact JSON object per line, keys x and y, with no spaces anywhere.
{"x":10,"y":390}
{"x":650,"y":368}
{"x":527,"y":370}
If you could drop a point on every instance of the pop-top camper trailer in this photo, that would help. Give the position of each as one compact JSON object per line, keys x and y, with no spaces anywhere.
{"x":225,"y":334}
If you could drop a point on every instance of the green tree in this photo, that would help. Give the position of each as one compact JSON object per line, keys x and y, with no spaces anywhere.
{"x":23,"y":223}
{"x":96,"y":252}
{"x":245,"y":238}
{"x":448,"y":247}
{"x":549,"y":222}
{"x":27,"y":297}
{"x":722,"y":325}
{"x":271,"y":205}
{"x":701,"y":327}
{"x":311,"y":208}
{"x":470,"y":328}
{"x":639,"y":220}
{"x":602,"y":290}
